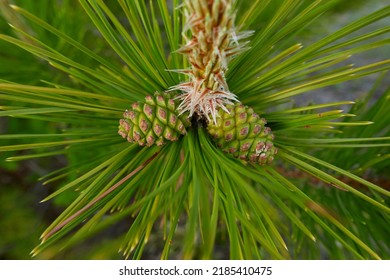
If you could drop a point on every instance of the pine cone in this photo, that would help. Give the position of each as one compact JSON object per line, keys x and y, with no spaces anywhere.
{"x":244,"y":134}
{"x":153,"y":122}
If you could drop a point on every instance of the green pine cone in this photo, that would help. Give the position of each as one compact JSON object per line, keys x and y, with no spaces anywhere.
{"x":153,"y":121}
{"x":243,"y":134}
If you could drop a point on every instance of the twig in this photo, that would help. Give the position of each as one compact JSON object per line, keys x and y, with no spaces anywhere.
{"x":299,"y":174}
{"x":101,"y":196}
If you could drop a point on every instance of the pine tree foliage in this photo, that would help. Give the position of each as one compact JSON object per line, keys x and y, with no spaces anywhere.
{"x":325,"y":193}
